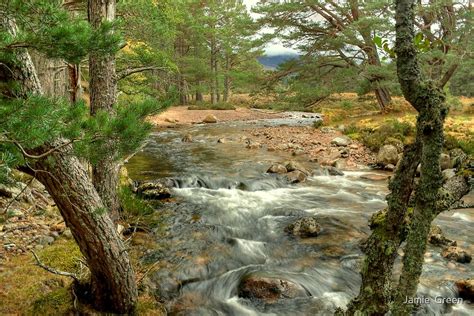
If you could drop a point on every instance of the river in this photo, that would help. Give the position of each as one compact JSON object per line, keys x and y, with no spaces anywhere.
{"x":229,"y":218}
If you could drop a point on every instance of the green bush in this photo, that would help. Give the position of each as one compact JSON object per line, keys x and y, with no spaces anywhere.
{"x":392,"y":131}
{"x":132,"y":205}
{"x":318,"y":123}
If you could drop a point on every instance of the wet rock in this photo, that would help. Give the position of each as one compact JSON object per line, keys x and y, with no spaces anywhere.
{"x":437,"y":238}
{"x":294,"y":166}
{"x":222,"y":140}
{"x":342,"y":141}
{"x":210,"y":119}
{"x":296,"y":176}
{"x":304,"y":227}
{"x":388,"y":154}
{"x":333,"y":171}
{"x":277,"y":168}
{"x":457,"y":254}
{"x":153,"y":190}
{"x":268,"y":289}
{"x":187,"y":138}
{"x":445,"y":161}
{"x":466,"y":289}
{"x":458,"y":157}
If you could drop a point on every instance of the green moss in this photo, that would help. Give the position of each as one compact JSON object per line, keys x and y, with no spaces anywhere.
{"x":62,"y":255}
{"x":56,"y":302}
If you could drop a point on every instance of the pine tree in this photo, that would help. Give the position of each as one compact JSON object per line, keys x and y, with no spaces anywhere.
{"x":45,"y":136}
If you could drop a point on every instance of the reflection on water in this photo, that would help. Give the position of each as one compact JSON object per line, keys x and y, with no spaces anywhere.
{"x":242,"y":215}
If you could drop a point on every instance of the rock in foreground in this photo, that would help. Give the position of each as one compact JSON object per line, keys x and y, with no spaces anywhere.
{"x":277,"y":168}
{"x":269,"y":289}
{"x":466,"y":289}
{"x":388,"y":154}
{"x":304,"y":227}
{"x":210,"y":119}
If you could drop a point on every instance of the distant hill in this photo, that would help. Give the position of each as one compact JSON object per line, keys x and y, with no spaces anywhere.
{"x":272,"y":62}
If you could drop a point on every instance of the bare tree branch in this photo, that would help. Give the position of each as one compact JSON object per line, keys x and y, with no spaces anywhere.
{"x":54,"y":271}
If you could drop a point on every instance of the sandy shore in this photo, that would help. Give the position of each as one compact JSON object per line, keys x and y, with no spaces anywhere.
{"x":182,"y":116}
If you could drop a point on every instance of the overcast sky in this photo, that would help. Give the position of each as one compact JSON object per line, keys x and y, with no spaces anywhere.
{"x":275,"y":48}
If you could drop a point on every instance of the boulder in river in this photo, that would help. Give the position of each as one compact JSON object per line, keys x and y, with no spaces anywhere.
{"x":269,"y":289}
{"x":437,"y":238}
{"x":210,"y":119}
{"x":333,"y":171}
{"x":457,"y":254}
{"x":341,"y":141}
{"x":388,"y":154}
{"x":153,"y":190}
{"x":304,"y":227}
{"x":296,"y":176}
{"x":294,"y":166}
{"x":187,"y":138}
{"x":466,"y":289}
{"x":277,"y":168}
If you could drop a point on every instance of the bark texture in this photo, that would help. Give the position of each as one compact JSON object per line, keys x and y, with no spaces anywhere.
{"x":112,"y":281}
{"x":398,"y":222}
{"x":112,"y":285}
{"x":103,"y":96}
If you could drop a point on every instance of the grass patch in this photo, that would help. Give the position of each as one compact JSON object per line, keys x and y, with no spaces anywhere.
{"x":26,"y":289}
{"x":132,"y":205}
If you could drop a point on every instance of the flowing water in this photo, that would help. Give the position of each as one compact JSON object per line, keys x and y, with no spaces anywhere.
{"x":229,"y":218}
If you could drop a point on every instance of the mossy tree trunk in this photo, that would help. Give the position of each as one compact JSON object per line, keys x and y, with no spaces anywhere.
{"x":429,"y":101}
{"x":103,"y":96}
{"x":390,"y":228}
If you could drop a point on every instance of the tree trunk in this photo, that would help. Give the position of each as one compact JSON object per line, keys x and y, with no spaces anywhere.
{"x":383,"y":97}
{"x":387,"y":234}
{"x":75,"y":89}
{"x":375,"y":293}
{"x":429,"y":101}
{"x":103,"y":96}
{"x":214,"y":82}
{"x":227,"y":79}
{"x":113,"y":285}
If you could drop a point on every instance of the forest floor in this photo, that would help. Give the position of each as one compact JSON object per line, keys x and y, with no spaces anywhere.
{"x":34,"y":224}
